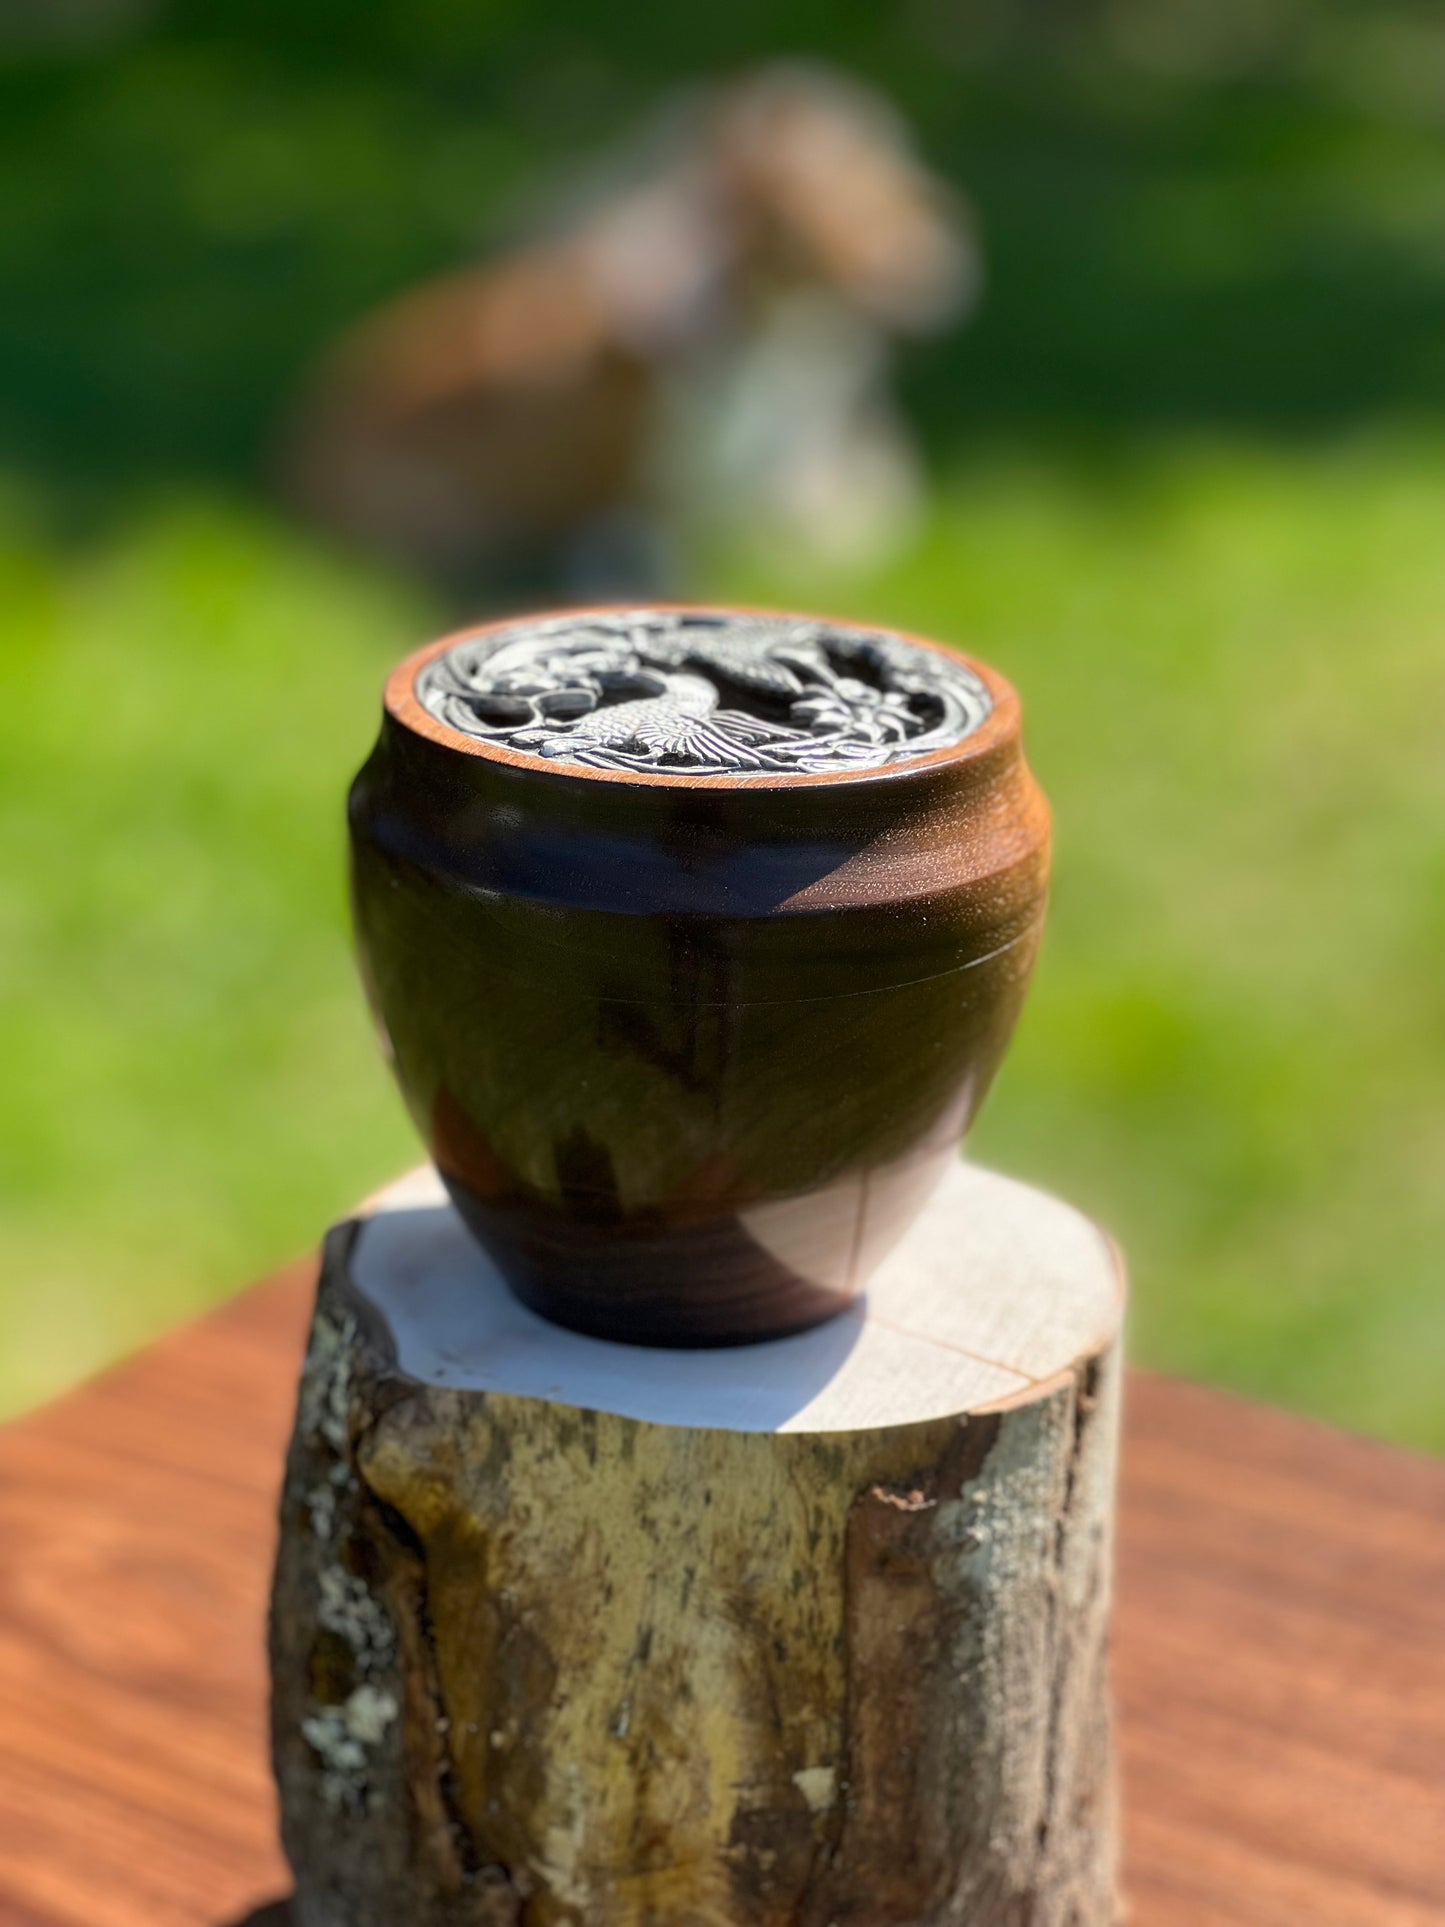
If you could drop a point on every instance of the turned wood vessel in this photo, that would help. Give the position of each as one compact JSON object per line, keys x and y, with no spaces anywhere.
{"x":695,"y":937}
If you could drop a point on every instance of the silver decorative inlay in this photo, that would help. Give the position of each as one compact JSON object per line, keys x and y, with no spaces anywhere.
{"x":697,"y":694}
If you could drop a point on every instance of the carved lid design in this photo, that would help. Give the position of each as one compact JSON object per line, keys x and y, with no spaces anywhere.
{"x":702,"y":693}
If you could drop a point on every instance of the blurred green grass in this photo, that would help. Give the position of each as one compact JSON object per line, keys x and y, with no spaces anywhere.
{"x":1192,"y":462}
{"x":189,"y":1087}
{"x":1234,"y":679}
{"x":1233,"y":666}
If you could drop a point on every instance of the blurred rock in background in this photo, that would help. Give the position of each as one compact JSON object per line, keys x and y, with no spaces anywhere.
{"x":698,"y":343}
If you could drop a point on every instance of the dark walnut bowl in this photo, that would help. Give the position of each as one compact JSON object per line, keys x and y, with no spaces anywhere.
{"x":695,"y":937}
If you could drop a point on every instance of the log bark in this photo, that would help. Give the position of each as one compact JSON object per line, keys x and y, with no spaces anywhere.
{"x":810,"y":1634}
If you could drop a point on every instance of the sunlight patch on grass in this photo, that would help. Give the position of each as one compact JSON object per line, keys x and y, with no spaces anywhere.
{"x":1233,"y":670}
{"x":190,"y":1088}
{"x":1233,"y":667}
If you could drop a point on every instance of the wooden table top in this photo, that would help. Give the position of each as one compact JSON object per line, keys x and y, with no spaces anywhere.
{"x":1280,"y":1652}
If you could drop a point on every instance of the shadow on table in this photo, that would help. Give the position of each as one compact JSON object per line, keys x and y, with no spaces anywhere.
{"x":276,"y":1913}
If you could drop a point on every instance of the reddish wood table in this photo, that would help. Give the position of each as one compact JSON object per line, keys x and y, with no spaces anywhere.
{"x":1280,"y":1652}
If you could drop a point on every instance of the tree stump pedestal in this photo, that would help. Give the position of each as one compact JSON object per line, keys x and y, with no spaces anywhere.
{"x":809,"y":1633}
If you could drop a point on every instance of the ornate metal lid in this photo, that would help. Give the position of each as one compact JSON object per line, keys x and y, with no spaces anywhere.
{"x":703,"y":693}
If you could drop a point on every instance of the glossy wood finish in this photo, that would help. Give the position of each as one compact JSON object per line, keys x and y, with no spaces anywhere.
{"x":1279,"y":1652}
{"x":691,"y":1052}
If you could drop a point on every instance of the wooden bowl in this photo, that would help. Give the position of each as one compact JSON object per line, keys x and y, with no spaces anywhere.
{"x":695,"y":937}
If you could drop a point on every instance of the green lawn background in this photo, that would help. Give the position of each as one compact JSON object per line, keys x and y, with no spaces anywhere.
{"x":1190,"y":464}
{"x":1234,"y":683}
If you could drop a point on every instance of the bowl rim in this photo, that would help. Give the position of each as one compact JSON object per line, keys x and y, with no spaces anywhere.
{"x":404,"y":707}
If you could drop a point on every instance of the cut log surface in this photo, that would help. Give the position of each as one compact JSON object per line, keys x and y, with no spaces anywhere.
{"x":811,"y":1632}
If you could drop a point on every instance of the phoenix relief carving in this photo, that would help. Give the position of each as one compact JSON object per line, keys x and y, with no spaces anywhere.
{"x":689,"y":693}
